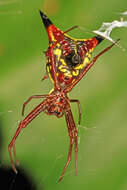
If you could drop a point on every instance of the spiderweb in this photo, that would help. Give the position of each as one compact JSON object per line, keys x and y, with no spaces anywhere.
{"x":42,"y":142}
{"x":107,"y":27}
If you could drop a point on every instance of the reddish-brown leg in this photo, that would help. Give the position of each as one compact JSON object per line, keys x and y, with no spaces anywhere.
{"x":70,"y":132}
{"x":75,"y":134}
{"x":73,"y":139}
{"x":30,"y":98}
{"x":73,"y":27}
{"x":56,"y":84}
{"x":79,"y":109}
{"x":68,"y":89}
{"x":76,"y":148}
{"x":36,"y":111}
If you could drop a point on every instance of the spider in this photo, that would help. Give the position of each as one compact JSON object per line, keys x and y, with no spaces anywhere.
{"x":68,"y":60}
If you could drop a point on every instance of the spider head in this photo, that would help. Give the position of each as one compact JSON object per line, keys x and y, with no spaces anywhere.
{"x":55,"y":110}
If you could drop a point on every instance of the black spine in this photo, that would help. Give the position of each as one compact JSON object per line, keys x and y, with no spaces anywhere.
{"x":99,"y":38}
{"x":45,"y":20}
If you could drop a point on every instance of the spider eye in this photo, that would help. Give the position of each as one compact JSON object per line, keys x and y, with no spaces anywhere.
{"x":73,"y":59}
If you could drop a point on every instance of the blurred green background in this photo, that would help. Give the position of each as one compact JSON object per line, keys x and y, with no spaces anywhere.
{"x":42,"y":147}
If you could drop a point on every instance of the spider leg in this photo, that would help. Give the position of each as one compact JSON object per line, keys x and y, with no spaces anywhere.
{"x":76,"y":147}
{"x":73,"y":139}
{"x":12,"y":145}
{"x":72,"y":123}
{"x":70,"y":131}
{"x":36,"y":111}
{"x":79,"y":109}
{"x":29,"y":99}
{"x":73,"y":27}
{"x":86,"y":69}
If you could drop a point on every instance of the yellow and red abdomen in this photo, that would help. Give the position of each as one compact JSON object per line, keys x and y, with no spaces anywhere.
{"x":71,"y":56}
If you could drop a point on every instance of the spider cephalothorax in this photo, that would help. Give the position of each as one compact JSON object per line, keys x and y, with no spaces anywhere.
{"x":71,"y":55}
